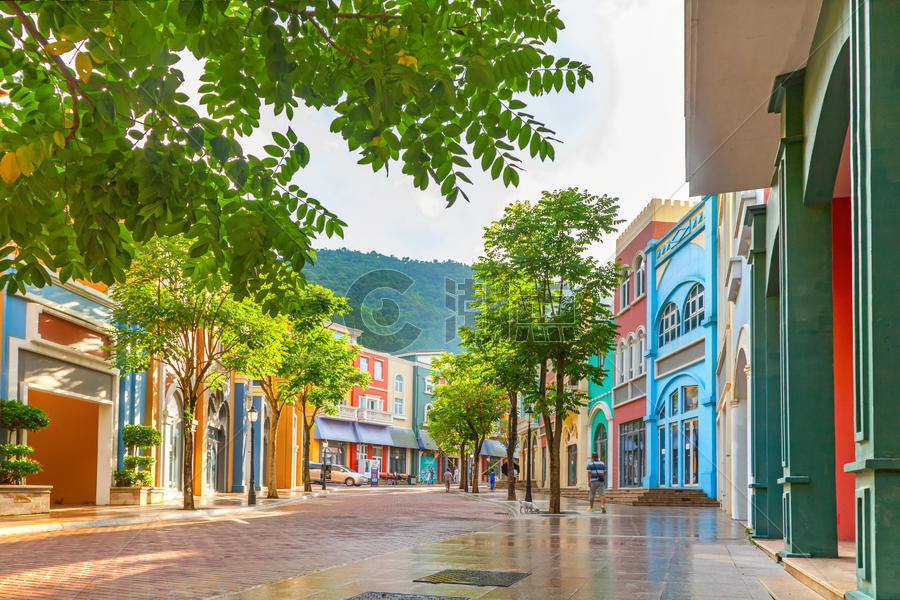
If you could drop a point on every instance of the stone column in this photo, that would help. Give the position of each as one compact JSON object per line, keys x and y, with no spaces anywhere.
{"x":765,"y":387}
{"x":806,"y":322}
{"x":875,"y":177}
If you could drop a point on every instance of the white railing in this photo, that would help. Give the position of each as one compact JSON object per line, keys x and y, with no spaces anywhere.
{"x":347,"y":412}
{"x":381,"y":417}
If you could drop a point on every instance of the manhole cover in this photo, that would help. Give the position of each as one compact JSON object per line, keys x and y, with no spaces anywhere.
{"x":394,"y":596}
{"x":466,"y":577}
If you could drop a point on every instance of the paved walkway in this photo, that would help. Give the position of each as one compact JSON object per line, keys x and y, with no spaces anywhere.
{"x":214,"y":555}
{"x":632,"y":553}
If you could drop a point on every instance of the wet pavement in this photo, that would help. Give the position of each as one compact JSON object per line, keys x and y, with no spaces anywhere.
{"x":631,"y":553}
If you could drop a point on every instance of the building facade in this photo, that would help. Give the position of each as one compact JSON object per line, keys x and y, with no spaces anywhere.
{"x":824,"y":329}
{"x":681,"y":312}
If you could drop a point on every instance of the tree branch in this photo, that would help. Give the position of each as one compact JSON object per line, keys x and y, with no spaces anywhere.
{"x":334,"y":44}
{"x":35,"y":34}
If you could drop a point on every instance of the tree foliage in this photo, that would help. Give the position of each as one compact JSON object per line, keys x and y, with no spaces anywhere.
{"x":469,"y":403}
{"x":104,"y":147}
{"x":554,"y":298}
{"x":198,"y":330}
{"x":15,"y":464}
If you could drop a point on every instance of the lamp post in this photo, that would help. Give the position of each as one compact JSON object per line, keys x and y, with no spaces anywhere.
{"x":252,"y":416}
{"x":528,"y":412}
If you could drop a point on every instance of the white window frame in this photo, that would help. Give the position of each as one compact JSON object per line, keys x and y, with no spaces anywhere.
{"x":669,"y":324}
{"x":398,"y":403}
{"x":694,"y":308}
{"x":398,"y":384}
{"x":642,"y":349}
{"x":625,"y":292}
{"x":378,"y":368}
{"x":429,"y":385}
{"x":363,"y":364}
{"x":640,"y":277}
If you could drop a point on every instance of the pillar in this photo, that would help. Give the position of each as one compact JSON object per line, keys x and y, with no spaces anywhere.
{"x":765,"y":388}
{"x":805,"y":311}
{"x":875,"y":179}
{"x":239,"y":442}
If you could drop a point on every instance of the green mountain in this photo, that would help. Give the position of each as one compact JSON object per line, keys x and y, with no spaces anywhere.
{"x":401,"y":304}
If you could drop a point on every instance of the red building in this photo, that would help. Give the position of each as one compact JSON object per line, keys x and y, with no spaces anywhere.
{"x":629,"y":385}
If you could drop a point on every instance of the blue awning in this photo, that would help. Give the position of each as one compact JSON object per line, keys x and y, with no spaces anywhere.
{"x":493,"y":448}
{"x":373,"y":434}
{"x":425,"y":441}
{"x":337,"y":431}
{"x":403,"y":438}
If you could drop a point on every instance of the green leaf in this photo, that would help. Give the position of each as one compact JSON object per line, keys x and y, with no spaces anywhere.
{"x":106,"y":107}
{"x":281,"y":140}
{"x":273,"y":150}
{"x":221,"y":148}
{"x":479,"y":73}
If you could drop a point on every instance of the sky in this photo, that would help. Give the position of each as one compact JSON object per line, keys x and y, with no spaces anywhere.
{"x":623,"y":136}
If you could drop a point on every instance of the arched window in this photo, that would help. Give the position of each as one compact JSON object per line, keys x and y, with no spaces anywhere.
{"x":625,"y":291}
{"x":642,"y":349}
{"x":398,"y":384}
{"x":629,"y":358}
{"x":427,"y":410}
{"x":668,"y":324}
{"x":600,"y":442}
{"x":693,"y":308}
{"x":621,"y":356}
{"x":640,"y":277}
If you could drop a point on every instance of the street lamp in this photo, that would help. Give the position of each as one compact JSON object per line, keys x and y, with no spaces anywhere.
{"x":528,"y":412}
{"x":252,"y":416}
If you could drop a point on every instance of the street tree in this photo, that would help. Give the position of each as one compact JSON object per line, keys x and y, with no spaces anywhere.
{"x":472,"y":397}
{"x":312,"y":306}
{"x":200,"y":332}
{"x":565,"y":316}
{"x":509,"y":365}
{"x":319,"y":373}
{"x":106,"y":141}
{"x":447,"y":428}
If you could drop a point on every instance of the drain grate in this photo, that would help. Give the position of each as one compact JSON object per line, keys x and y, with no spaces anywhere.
{"x":395,"y":596}
{"x":483,"y":578}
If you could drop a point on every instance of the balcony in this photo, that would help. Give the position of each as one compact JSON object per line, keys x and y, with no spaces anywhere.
{"x":364,"y":415}
{"x":631,"y":390}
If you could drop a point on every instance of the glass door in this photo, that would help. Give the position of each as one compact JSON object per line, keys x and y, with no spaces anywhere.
{"x":661,"y":433}
{"x":690,"y":432}
{"x":674,"y":466}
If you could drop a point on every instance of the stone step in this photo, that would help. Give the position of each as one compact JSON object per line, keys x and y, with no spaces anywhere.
{"x":787,"y":588}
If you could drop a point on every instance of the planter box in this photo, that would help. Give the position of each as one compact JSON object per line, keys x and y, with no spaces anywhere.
{"x":137,"y":496}
{"x":24,"y":499}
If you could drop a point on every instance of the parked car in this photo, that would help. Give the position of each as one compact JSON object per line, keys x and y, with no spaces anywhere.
{"x":339,"y":474}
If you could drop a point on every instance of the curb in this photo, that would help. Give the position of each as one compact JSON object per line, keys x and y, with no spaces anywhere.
{"x":508,"y":505}
{"x":174,"y":515}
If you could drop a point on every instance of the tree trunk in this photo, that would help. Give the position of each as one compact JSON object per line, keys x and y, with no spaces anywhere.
{"x":556,"y":440}
{"x":476,"y":471}
{"x":463,"y":467}
{"x":511,"y":436}
{"x":304,"y":461}
{"x":187,"y":469}
{"x":272,"y":479}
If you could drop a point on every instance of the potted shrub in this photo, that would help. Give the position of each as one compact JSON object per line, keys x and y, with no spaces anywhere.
{"x":134,"y":482}
{"x":16,"y":498}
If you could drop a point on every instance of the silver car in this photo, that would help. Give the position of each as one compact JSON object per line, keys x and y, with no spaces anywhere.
{"x":339,"y":474}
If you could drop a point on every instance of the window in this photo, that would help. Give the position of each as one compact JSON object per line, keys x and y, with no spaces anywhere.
{"x":363,"y":364}
{"x":674,"y":437}
{"x":693,"y":308}
{"x":429,"y":385}
{"x":673,"y":403}
{"x":690,"y":397}
{"x":398,"y":384}
{"x":661,"y":430}
{"x":427,"y":410}
{"x":631,"y":453}
{"x":629,"y":360}
{"x":600,"y":442}
{"x":373,"y":402}
{"x":668,"y":324}
{"x":640,"y":276}
{"x":379,"y":370}
{"x":642,"y":349}
{"x":691,"y":466}
{"x":625,"y":292}
{"x":362,"y":456}
{"x":622,"y":363}
{"x":398,"y":460}
{"x":398,"y":406}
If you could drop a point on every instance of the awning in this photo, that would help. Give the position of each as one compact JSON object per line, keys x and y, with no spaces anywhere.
{"x":373,"y":434}
{"x":425,"y":441}
{"x":338,"y":431}
{"x":493,"y":448}
{"x":403,"y":438}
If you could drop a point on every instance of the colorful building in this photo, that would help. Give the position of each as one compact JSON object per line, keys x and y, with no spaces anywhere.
{"x":630,"y":303}
{"x":680,"y":370}
{"x":825,"y":456}
{"x":54,"y":356}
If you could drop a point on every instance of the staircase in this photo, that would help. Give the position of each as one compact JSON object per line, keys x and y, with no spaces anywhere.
{"x":659,"y":497}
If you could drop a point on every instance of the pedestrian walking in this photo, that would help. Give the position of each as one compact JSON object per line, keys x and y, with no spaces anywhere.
{"x":597,"y":481}
{"x":456,"y":475}
{"x":448,"y":476}
{"x":515,"y":475}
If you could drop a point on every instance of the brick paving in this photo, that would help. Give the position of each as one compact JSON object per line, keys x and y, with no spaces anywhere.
{"x":209,"y":556}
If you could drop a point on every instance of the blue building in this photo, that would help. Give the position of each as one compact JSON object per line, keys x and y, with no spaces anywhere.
{"x":681,"y":371}
{"x":600,"y":411}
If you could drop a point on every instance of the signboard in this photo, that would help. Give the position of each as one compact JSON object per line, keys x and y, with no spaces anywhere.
{"x":374,"y":473}
{"x":428,"y":469}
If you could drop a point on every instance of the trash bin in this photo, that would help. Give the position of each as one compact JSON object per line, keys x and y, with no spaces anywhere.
{"x":409,"y":479}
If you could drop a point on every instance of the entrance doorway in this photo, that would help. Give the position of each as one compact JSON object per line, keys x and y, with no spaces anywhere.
{"x":173,"y":441}
{"x":631,"y":453}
